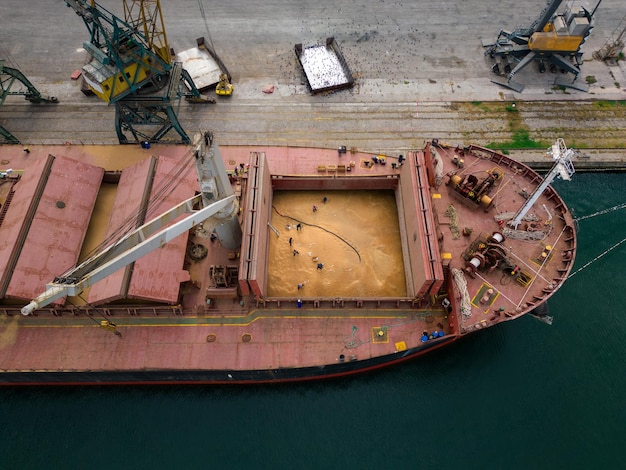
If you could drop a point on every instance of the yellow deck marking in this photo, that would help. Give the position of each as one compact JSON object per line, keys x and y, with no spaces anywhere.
{"x":380,"y":334}
{"x":481,"y":291}
{"x":401,"y":346}
{"x":252,"y":317}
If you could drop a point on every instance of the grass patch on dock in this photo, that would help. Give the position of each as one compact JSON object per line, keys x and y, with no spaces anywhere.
{"x":480,"y":105}
{"x":606,"y":104}
{"x":503,"y":124}
{"x":519,"y":131}
{"x":520,"y":140}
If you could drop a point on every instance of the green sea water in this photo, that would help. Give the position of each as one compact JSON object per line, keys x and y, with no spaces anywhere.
{"x":521,"y":395}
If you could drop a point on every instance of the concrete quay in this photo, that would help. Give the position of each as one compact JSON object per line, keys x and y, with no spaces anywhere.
{"x":592,"y":160}
{"x":420,"y":74}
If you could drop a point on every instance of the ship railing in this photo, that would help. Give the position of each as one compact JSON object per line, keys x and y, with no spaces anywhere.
{"x":109,"y":311}
{"x":348,"y":303}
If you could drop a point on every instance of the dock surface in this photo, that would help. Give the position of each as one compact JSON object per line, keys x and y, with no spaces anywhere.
{"x":419,"y":73}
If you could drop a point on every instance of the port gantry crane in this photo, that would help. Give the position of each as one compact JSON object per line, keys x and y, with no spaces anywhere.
{"x":552,"y":39}
{"x":131,"y":67}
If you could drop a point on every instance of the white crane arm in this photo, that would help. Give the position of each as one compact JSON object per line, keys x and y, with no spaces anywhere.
{"x":138,"y":243}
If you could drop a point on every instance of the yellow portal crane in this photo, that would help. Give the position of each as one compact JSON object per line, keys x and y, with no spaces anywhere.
{"x":132,"y":67}
{"x":146,"y":16}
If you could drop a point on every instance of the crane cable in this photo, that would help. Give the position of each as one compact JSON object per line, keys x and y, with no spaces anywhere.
{"x":206,"y":24}
{"x":105,"y":324}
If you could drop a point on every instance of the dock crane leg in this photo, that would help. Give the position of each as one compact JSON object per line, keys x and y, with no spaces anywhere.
{"x":522,"y":63}
{"x":7,"y":137}
{"x":9,"y":76}
{"x":564,"y":64}
{"x":131,"y":115}
{"x":156,"y":114}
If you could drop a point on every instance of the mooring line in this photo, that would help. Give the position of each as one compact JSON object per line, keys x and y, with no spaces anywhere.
{"x":596,"y":258}
{"x":604,"y":211}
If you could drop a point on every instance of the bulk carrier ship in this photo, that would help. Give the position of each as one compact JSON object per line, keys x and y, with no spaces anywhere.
{"x":294,"y":263}
{"x":125,"y":265}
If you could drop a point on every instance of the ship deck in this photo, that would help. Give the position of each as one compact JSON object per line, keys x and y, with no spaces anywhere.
{"x":232,"y":332}
{"x":262,"y":340}
{"x":240,"y":314}
{"x":520,"y":269}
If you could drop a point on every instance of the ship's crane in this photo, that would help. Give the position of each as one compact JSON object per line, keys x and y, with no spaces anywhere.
{"x":614,"y":45}
{"x":552,"y":40}
{"x":131,"y":68}
{"x":14,"y":83}
{"x":562,"y":167}
{"x":216,"y":199}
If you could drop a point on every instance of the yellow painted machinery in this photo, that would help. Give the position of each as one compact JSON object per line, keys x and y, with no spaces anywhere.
{"x":553,"y":41}
{"x":131,"y":67}
{"x":224,"y":87}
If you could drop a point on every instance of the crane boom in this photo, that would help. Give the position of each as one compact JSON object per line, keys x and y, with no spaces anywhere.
{"x":562,"y":167}
{"x":546,"y":16}
{"x":216,"y":199}
{"x":146,"y":16}
{"x":138,"y":243}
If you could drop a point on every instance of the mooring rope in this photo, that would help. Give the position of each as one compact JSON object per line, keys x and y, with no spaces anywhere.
{"x":596,"y":258}
{"x":454,"y":221}
{"x":605,"y":211}
{"x":461,"y":284}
